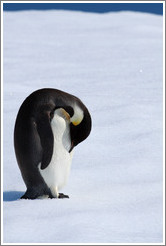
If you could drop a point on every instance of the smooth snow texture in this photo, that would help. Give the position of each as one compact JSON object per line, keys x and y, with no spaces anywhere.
{"x":113,"y":63}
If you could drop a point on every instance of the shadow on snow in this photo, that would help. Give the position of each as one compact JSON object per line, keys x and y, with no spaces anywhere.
{"x":9,"y":196}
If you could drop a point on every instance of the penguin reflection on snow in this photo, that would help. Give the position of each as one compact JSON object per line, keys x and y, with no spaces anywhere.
{"x":49,"y":124}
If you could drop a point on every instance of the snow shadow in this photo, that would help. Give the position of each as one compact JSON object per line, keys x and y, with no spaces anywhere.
{"x":9,"y":196}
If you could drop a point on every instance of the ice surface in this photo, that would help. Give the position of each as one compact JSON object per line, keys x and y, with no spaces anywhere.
{"x":113,"y":63}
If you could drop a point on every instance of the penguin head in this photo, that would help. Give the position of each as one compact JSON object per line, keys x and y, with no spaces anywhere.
{"x":80,"y":123}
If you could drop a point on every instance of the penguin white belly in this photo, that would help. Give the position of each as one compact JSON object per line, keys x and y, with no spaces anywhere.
{"x":57,"y":172}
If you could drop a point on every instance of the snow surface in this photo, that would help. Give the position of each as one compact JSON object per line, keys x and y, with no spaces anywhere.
{"x":113,"y":63}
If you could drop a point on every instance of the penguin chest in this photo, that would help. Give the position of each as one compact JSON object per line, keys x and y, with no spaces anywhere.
{"x":57,"y":172}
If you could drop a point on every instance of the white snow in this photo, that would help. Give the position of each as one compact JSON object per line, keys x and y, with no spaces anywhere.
{"x":113,"y":63}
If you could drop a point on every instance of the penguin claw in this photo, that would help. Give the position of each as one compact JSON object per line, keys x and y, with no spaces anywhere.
{"x":61,"y":196}
{"x":35,"y":193}
{"x":27,"y":197}
{"x":24,"y":197}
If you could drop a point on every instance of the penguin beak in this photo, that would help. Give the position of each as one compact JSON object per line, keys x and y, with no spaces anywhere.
{"x":66,"y":115}
{"x":75,"y":121}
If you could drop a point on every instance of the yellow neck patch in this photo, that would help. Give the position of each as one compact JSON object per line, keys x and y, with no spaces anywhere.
{"x":78,"y":116}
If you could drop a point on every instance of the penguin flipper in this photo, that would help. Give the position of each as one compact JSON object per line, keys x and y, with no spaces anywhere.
{"x":46,"y":138}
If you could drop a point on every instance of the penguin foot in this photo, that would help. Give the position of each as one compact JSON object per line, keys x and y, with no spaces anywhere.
{"x":61,"y":196}
{"x":28,"y":197}
{"x":33,"y":193}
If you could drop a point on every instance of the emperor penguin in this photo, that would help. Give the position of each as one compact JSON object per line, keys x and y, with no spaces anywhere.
{"x":49,"y":124}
